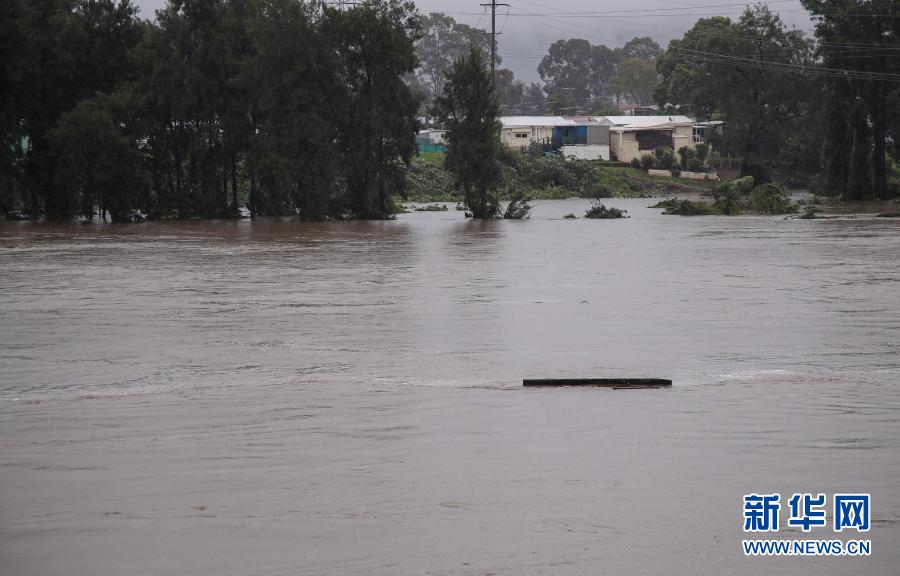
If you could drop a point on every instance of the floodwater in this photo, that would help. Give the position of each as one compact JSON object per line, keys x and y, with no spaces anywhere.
{"x":282,"y":398}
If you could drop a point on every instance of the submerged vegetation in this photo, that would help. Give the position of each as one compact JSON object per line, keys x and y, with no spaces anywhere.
{"x":735,"y":198}
{"x":602,"y":212}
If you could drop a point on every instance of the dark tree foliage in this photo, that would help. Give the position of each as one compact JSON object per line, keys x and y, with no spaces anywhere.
{"x":821,"y":112}
{"x":285,"y":106}
{"x":468,"y":107}
{"x":644,"y":48}
{"x":769,"y":110}
{"x":579,"y":68}
{"x":54,"y":54}
{"x":378,"y":127}
{"x":865,"y":37}
{"x":443,"y":40}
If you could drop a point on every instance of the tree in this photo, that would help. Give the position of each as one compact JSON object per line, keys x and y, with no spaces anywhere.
{"x":294,"y":153}
{"x":861,"y":37}
{"x":641,"y":48}
{"x":724,"y":68}
{"x":468,"y":107}
{"x":97,"y":159}
{"x":534,"y":100}
{"x":443,"y":41}
{"x":57,"y":53}
{"x":377,"y":123}
{"x":635,"y":79}
{"x":509,"y":90}
{"x":577,"y":66}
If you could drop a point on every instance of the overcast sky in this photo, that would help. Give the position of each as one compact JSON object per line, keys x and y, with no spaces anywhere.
{"x":534,"y":24}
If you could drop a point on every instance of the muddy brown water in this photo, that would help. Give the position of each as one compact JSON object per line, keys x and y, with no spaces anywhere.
{"x":345,"y":398}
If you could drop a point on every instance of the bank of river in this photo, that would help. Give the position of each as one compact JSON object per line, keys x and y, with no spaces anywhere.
{"x":273,"y":397}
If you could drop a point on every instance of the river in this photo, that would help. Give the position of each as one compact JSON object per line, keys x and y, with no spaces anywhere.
{"x":276,"y":398}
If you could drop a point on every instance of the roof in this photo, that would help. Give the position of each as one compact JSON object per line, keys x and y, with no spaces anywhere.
{"x":527,"y":121}
{"x":647,"y":122}
{"x":588,"y":120}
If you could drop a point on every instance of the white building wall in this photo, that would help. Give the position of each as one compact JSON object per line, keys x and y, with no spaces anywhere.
{"x":586,"y":151}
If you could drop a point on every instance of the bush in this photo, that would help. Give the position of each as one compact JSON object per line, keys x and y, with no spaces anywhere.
{"x":770,"y":199}
{"x":602,"y":212}
{"x":675,"y":172}
{"x":678,"y":207}
{"x":687,"y":157}
{"x":702,"y":151}
{"x":570,"y":216}
{"x":740,"y":196}
{"x":743,"y":185}
{"x":728,"y":200}
{"x":665,"y":158}
{"x":636,"y":163}
{"x":648,"y":161}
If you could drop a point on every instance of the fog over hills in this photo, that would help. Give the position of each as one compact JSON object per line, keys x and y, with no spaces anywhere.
{"x":530,"y":26}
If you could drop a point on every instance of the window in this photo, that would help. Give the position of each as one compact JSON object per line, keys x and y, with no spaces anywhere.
{"x":699,"y":134}
{"x":653,"y":139}
{"x":521,"y":134}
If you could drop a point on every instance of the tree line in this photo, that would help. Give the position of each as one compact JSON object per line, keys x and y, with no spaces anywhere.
{"x":296,"y":107}
{"x":285,"y":106}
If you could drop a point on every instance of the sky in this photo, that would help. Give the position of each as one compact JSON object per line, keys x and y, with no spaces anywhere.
{"x":532,"y":25}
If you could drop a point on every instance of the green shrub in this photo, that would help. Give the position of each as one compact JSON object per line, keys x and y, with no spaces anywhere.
{"x":602,"y":212}
{"x":728,"y":200}
{"x":648,"y":161}
{"x":679,"y":207}
{"x":665,"y":158}
{"x":770,"y":199}
{"x":636,"y":163}
{"x":687,"y":157}
{"x":702,"y":151}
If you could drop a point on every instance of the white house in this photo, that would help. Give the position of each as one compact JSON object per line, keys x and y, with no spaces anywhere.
{"x":520,"y":131}
{"x":633,"y":136}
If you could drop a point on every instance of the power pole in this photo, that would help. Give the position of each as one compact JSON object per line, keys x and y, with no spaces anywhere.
{"x":493,"y":4}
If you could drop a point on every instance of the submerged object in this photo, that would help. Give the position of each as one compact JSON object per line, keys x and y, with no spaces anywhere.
{"x":598,"y":382}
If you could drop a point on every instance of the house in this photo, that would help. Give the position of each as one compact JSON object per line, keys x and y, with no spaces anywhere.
{"x":522,"y":131}
{"x":431,"y":140}
{"x":633,"y":136}
{"x":704,"y":130}
{"x":583,"y":137}
{"x":586,"y":139}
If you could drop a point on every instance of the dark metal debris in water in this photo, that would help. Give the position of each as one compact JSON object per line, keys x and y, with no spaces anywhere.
{"x":599,"y":382}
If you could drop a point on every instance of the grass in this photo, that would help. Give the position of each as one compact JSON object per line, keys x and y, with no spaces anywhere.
{"x":432,"y":158}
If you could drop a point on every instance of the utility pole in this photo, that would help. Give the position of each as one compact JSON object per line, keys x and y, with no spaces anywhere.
{"x":493,"y":4}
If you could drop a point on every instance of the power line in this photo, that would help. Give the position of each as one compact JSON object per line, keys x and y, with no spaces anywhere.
{"x":493,"y":5}
{"x":648,"y":14}
{"x":810,"y":69}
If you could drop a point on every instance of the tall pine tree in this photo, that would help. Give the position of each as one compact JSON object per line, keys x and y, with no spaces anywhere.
{"x":468,"y":109}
